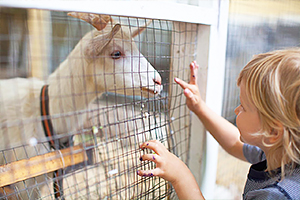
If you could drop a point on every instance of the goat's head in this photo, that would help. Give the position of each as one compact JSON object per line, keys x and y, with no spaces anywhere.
{"x":113,"y":58}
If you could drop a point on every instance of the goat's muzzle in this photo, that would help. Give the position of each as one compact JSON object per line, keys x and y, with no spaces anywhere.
{"x":156,"y":88}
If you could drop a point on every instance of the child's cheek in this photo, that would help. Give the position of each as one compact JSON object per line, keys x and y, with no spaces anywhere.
{"x":237,"y":121}
{"x":241,"y":126}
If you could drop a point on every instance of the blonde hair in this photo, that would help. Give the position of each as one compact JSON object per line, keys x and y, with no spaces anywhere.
{"x":272,"y":82}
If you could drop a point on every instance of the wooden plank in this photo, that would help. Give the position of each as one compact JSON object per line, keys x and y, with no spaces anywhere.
{"x":197,"y":141}
{"x":42,"y":164}
{"x":182,"y":54}
{"x":182,"y":49}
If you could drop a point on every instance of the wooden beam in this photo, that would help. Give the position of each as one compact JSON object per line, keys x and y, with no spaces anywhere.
{"x":42,"y":164}
{"x":197,"y":140}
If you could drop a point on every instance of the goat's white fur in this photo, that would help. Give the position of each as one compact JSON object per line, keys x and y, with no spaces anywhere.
{"x":87,"y":72}
{"x":113,"y":143}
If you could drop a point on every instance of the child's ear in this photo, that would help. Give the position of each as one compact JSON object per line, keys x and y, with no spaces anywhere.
{"x":276,"y":134}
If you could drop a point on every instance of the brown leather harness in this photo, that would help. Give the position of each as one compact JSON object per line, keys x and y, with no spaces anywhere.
{"x":50,"y":134}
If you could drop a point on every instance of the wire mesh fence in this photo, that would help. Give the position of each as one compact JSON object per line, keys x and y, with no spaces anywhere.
{"x":92,"y":89}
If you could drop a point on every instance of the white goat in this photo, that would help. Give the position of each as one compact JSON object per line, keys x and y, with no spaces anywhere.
{"x":105,"y":59}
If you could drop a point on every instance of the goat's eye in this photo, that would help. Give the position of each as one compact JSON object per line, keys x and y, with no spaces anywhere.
{"x":116,"y":55}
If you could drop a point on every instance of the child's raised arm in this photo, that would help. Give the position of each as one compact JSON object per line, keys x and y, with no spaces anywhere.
{"x":172,"y":169}
{"x":223,"y":131}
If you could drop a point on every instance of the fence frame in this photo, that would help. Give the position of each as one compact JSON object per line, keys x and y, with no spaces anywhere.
{"x":211,"y":50}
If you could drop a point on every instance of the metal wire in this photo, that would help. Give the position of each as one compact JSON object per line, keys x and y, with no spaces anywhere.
{"x":108,"y":129}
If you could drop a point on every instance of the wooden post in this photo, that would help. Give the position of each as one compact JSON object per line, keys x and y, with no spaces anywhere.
{"x":39,"y":24}
{"x":197,"y":140}
{"x":187,"y":39}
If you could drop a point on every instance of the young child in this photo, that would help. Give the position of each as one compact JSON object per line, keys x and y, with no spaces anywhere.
{"x":267,"y":133}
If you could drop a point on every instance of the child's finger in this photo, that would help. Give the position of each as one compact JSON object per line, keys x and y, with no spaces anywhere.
{"x":154,"y":145}
{"x":149,"y":173}
{"x":188,"y":93}
{"x":182,"y":83}
{"x":150,"y":157}
{"x":194,"y":70}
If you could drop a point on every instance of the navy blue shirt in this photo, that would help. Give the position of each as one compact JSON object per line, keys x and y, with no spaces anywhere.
{"x":260,"y":185}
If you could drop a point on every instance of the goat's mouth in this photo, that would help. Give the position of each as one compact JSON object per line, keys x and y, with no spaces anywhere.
{"x":153,"y":90}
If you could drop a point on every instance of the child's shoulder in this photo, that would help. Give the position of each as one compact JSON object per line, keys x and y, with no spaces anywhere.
{"x":291,"y":183}
{"x":253,"y":154}
{"x":260,"y":186}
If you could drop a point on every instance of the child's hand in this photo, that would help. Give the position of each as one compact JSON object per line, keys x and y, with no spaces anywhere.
{"x":191,"y":90}
{"x":165,"y":162}
{"x":172,"y":169}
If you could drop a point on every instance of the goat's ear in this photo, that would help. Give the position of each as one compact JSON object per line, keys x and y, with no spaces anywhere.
{"x":96,"y":20}
{"x":115,"y":30}
{"x":97,"y":45}
{"x":139,"y":30}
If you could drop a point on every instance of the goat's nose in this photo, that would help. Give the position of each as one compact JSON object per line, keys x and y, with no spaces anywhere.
{"x":157,"y":80}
